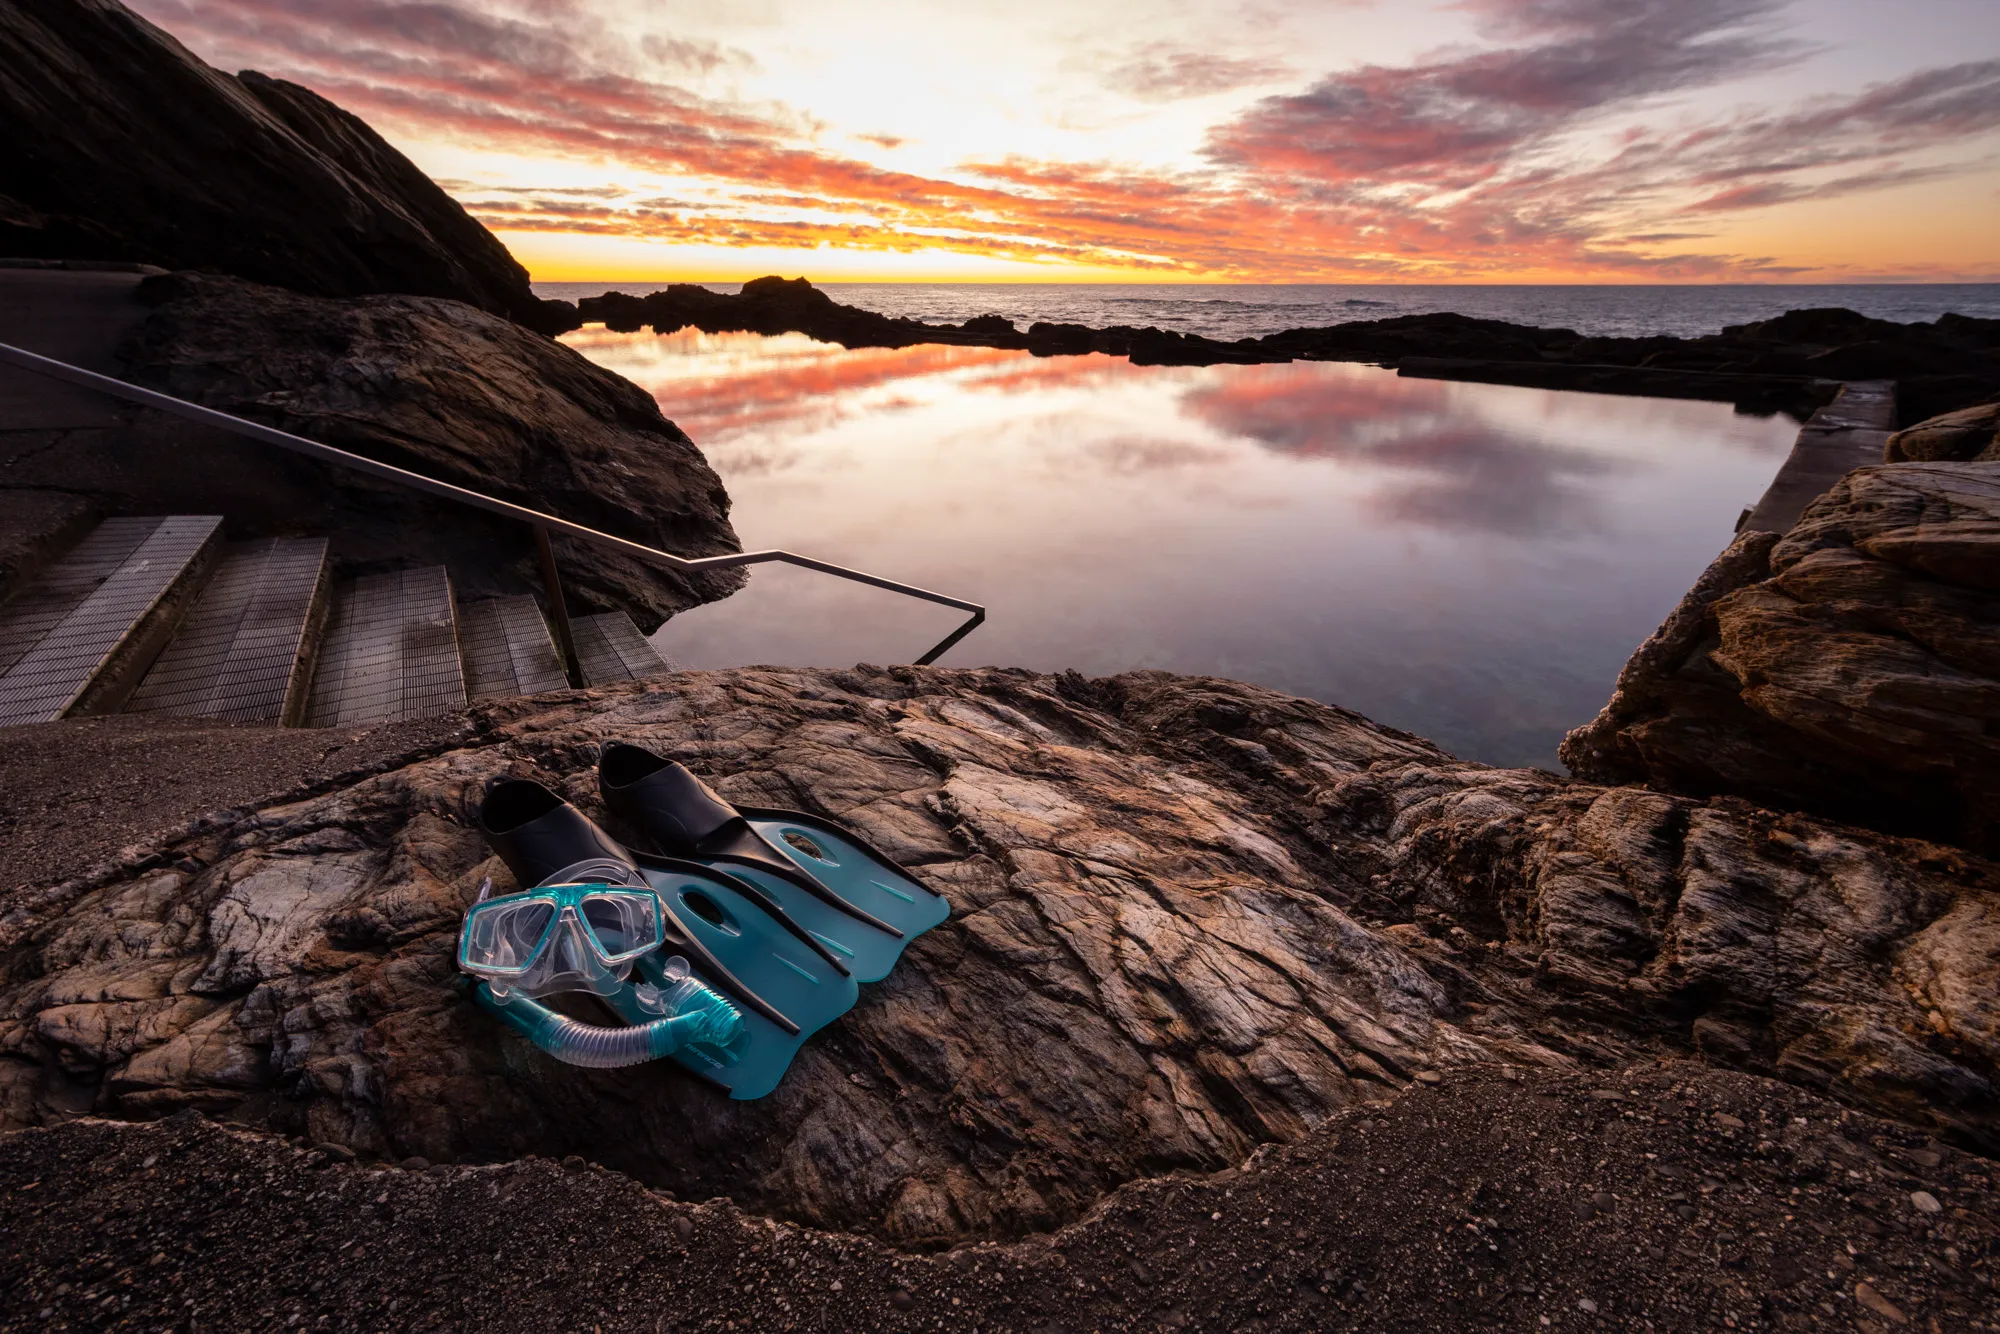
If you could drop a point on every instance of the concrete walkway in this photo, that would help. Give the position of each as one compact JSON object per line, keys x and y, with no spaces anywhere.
{"x":1846,"y":434}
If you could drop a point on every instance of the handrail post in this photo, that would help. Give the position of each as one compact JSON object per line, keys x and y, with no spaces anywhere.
{"x":558,"y":610}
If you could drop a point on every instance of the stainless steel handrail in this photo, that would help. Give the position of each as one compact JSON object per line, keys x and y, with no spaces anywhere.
{"x":298,"y":444}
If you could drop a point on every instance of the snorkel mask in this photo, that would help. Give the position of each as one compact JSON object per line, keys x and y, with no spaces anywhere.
{"x":586,"y":936}
{"x":560,"y":938}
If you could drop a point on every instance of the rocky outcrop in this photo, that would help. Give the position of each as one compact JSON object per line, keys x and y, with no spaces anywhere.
{"x":430,"y":385}
{"x":1189,"y":917}
{"x":1793,"y":363}
{"x":1971,"y":433}
{"x":122,"y":145}
{"x":779,"y":305}
{"x":1849,"y":669}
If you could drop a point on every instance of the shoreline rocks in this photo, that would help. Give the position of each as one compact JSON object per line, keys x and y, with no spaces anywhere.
{"x":435,"y":386}
{"x":1847,"y":669}
{"x":1191,"y":917}
{"x":1792,"y":363}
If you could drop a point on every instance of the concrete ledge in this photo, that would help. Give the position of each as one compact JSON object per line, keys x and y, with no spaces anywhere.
{"x":1846,"y":434}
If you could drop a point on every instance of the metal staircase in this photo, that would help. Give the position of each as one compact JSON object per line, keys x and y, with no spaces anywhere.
{"x":156,"y":615}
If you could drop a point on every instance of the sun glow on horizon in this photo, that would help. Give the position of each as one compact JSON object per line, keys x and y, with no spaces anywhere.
{"x":1446,"y":141}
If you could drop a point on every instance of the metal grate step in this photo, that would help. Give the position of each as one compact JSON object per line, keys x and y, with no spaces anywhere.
{"x":244,"y":653}
{"x":391,"y":652}
{"x":610,"y":648}
{"x":96,"y":614}
{"x":507,"y":649}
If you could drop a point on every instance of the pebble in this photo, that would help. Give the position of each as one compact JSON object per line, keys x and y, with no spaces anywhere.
{"x":901,"y":1300}
{"x":1429,"y":1077}
{"x":1728,"y":1122}
{"x":338,"y":1153}
{"x":1926,"y":1202}
{"x":415,"y":1164}
{"x":1880,"y":1305}
{"x":1587,"y":1306}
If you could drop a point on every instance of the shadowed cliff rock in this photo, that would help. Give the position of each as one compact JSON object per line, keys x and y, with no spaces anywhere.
{"x":122,"y":145}
{"x":1850,"y":668}
{"x":434,"y":386}
{"x":1189,"y":917}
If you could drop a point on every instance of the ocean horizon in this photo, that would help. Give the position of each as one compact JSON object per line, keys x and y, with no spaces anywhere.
{"x":1249,"y":310}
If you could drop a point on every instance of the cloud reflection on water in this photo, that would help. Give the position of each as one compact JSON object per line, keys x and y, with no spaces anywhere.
{"x":1470,"y":471}
{"x":1470,"y":562}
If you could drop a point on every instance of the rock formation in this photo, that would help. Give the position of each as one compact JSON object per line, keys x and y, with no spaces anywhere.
{"x":1970,"y":433}
{"x":431,"y":385}
{"x":1793,"y":363}
{"x":1189,"y":917}
{"x":122,"y":145}
{"x":1849,"y":669}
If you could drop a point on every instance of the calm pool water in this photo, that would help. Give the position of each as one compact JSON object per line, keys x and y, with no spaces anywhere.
{"x":1471,"y":562}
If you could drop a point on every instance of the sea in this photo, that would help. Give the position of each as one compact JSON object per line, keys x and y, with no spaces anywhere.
{"x":1470,"y":562}
{"x":1218,"y":310}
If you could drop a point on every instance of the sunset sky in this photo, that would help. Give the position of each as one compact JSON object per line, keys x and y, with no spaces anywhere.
{"x":1286,"y":141}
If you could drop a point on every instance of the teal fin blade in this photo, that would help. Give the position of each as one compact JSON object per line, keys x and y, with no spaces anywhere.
{"x":853,"y":873}
{"x":868,"y":951}
{"x":791,"y":990}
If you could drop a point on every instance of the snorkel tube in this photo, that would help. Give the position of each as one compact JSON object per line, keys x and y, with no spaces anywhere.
{"x":711,"y":1022}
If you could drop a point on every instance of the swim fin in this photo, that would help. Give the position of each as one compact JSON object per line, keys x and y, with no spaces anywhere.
{"x":734,"y":938}
{"x":854,"y":900}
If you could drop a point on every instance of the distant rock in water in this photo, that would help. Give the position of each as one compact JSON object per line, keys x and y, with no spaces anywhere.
{"x":1789,"y":364}
{"x":122,"y":145}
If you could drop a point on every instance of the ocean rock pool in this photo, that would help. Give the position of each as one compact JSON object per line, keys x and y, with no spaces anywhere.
{"x":1470,"y":562}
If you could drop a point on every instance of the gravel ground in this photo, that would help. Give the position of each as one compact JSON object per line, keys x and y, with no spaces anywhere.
{"x":77,"y":793}
{"x":1660,"y":1197}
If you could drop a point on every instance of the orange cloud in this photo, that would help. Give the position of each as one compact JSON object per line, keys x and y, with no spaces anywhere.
{"x":1465,"y":165}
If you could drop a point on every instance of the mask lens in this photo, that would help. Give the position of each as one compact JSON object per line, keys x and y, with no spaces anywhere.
{"x":625,"y":925}
{"x":501,"y":936}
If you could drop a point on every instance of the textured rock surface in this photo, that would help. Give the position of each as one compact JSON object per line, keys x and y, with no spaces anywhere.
{"x":1970,"y":433}
{"x":1190,"y":917}
{"x":1851,"y":669}
{"x":433,"y":386}
{"x":122,"y":145}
